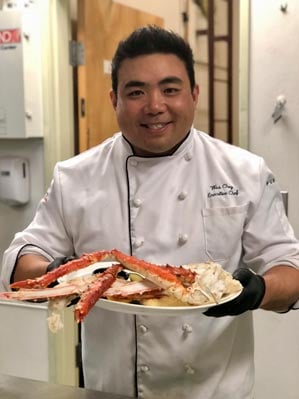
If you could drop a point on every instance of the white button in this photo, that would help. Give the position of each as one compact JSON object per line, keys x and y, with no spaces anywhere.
{"x":188,"y":156}
{"x":138,"y":242}
{"x":143,"y":328}
{"x":187,"y":328}
{"x":183,"y":238}
{"x":133,"y":162}
{"x":182,"y":195}
{"x":137,"y":202}
{"x":189,"y":369}
{"x":144,"y":368}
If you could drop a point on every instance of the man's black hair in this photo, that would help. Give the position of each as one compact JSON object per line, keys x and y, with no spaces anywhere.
{"x":152,"y":39}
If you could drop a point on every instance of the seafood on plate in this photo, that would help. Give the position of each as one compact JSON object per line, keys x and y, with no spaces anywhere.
{"x":186,"y":285}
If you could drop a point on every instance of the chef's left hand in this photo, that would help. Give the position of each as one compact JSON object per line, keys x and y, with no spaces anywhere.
{"x":250,"y":298}
{"x":57,"y":262}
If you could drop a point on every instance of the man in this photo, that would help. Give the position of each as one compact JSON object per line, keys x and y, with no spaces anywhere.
{"x":166,"y":193}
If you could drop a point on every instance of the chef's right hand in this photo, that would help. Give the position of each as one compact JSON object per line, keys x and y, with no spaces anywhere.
{"x":250,"y":298}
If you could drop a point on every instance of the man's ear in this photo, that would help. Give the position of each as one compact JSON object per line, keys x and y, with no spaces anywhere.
{"x":195,"y":93}
{"x":113,"y":98}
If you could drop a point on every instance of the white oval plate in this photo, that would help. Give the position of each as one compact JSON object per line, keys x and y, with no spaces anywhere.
{"x":132,"y":308}
{"x":158,"y":310}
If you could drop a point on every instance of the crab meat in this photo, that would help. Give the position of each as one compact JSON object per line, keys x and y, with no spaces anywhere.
{"x":133,"y":290}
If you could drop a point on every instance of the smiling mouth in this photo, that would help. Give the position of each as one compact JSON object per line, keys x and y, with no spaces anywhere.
{"x":154,"y":126}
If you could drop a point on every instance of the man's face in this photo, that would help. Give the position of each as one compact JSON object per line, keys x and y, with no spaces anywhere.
{"x":154,"y":104}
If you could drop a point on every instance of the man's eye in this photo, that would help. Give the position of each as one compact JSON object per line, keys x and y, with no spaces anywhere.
{"x":171,"y":90}
{"x":135,"y":93}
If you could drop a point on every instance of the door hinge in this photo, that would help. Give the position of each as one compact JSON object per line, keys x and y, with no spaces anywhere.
{"x":82,"y":107}
{"x":76,"y":53}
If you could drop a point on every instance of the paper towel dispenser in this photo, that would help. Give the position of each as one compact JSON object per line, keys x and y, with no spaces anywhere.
{"x":14,"y":180}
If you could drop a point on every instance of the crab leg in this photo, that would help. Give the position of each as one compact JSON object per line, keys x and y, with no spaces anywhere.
{"x":73,"y":265}
{"x":186,"y":276}
{"x":164,"y":277}
{"x":161,"y":276}
{"x":74,"y":287}
{"x":42,"y":293}
{"x":95,"y":291}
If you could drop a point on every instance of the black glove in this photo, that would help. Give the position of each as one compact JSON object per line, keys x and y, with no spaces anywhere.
{"x":250,"y":298}
{"x":56,"y":263}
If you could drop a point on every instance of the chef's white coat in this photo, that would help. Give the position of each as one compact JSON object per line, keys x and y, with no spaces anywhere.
{"x":209,"y":200}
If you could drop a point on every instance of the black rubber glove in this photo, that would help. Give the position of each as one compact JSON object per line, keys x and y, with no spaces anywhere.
{"x":250,"y":298}
{"x":56,"y":263}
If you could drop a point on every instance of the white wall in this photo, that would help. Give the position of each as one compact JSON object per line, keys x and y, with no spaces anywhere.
{"x":13,"y":218}
{"x":58,"y":132}
{"x":274,"y":44}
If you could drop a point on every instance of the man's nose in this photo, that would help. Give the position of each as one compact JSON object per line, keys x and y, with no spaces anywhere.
{"x":155,"y":103}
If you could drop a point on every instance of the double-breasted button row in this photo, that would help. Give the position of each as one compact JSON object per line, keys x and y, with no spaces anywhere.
{"x":186,"y":328}
{"x":144,"y":368}
{"x":137,"y":202}
{"x":182,"y":239}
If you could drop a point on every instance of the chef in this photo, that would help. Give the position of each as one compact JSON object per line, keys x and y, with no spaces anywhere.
{"x":167,"y":193}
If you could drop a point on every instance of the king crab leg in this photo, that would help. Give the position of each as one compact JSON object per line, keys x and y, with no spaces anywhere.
{"x":186,"y":276}
{"x":36,"y":294}
{"x":95,"y":291}
{"x":73,"y":265}
{"x":155,"y":273}
{"x":164,"y":277}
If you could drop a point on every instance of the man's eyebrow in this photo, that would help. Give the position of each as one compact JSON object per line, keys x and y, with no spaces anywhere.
{"x":170,"y":79}
{"x":134,"y":83}
{"x":138,"y":83}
